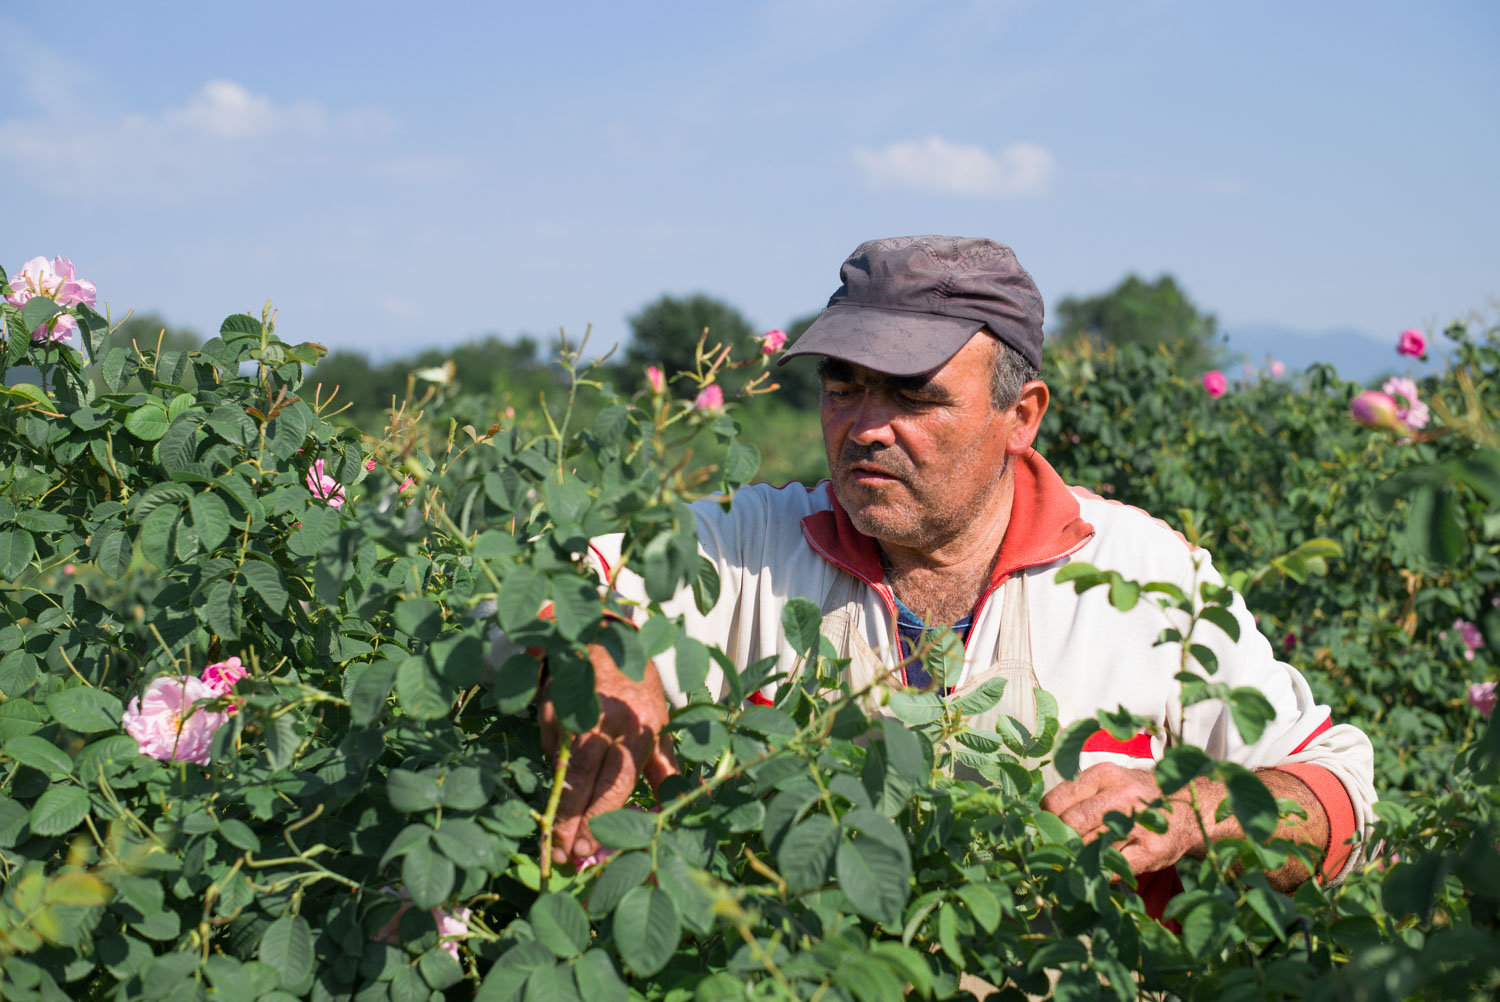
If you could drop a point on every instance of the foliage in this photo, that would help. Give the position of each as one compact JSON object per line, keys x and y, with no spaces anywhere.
{"x":368,"y":826}
{"x":1145,"y":314}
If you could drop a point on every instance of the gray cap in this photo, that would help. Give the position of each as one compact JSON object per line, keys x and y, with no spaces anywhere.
{"x":908,"y":304}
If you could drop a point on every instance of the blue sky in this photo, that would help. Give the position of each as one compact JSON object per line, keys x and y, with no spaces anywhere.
{"x":397,"y":176}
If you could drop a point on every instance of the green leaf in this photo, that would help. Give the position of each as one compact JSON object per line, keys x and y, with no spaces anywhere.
{"x":38,"y":310}
{"x":646,"y":930}
{"x":410,"y":792}
{"x":287,"y":947}
{"x":369,"y":690}
{"x":875,"y":877}
{"x":281,"y":741}
{"x":148,"y":422}
{"x":420,"y":617}
{"x":1065,"y":759}
{"x":1180,"y":765}
{"x":237,"y":833}
{"x":210,"y":519}
{"x":982,"y":698}
{"x":439,"y":970}
{"x":807,"y":852}
{"x":59,"y":810}
{"x":319,"y":523}
{"x":598,"y":981}
{"x":239,"y":325}
{"x":83,"y":890}
{"x":419,"y":690}
{"x":266,"y":581}
{"x":85,"y":710}
{"x":1251,"y":802}
{"x":1251,"y":711}
{"x":904,"y":753}
{"x":427,"y":876}
{"x":801,"y":621}
{"x":623,"y":871}
{"x":559,"y":924}
{"x":706,"y":585}
{"x":41,"y":754}
{"x":521,"y":596}
{"x":114,"y":554}
{"x":982,"y":904}
{"x":16,"y":550}
{"x":741,"y":462}
{"x":1433,"y":530}
{"x":1123,"y":595}
{"x":1223,"y":619}
{"x":577,"y":607}
{"x":692,"y":663}
{"x":623,"y":829}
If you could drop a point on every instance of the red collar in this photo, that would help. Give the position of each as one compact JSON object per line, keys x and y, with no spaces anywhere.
{"x":1045,"y":525}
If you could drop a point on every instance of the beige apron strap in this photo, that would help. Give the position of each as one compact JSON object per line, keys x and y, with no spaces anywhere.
{"x":1012,"y":661}
{"x":844,"y":626}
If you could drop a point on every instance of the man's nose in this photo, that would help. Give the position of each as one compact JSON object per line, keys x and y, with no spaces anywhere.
{"x":871,"y":423}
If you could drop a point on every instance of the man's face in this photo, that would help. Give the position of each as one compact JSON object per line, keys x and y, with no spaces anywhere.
{"x":915,"y":459}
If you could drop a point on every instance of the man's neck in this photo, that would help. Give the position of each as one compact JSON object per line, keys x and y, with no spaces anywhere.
{"x":944,"y":583}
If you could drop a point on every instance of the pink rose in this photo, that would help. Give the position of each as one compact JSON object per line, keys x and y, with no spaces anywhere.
{"x":1470,"y":635}
{"x":325,"y":487}
{"x":1215,"y":383}
{"x":1482,"y":697}
{"x":772,"y":341}
{"x":1374,"y":409}
{"x":1413,"y":342}
{"x":369,"y":465}
{"x":221,"y":676}
{"x":167,"y":724}
{"x":657,"y":379}
{"x":60,"y":328}
{"x":56,"y":281}
{"x":405,"y":484}
{"x":710,"y":398}
{"x":1278,"y":368}
{"x":450,"y":927}
{"x":1409,"y":410}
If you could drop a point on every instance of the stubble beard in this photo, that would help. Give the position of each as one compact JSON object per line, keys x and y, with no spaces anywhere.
{"x":904,"y":514}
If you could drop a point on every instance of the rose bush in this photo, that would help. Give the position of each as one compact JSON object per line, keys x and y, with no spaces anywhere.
{"x":348,"y":802}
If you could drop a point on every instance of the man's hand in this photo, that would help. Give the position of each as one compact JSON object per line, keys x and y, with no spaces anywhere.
{"x":1099,"y":789}
{"x":1107,"y":787}
{"x":606,"y":761}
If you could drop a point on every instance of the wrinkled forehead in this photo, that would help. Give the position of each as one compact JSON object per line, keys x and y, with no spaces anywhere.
{"x":839,"y":371}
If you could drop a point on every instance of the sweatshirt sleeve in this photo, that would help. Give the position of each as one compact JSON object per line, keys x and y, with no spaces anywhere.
{"x":1334,"y":759}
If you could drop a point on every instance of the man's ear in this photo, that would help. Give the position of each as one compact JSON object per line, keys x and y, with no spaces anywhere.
{"x":1026,"y":413}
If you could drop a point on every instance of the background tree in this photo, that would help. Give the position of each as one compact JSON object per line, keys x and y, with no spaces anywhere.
{"x":665,"y":332}
{"x":1148,"y":314}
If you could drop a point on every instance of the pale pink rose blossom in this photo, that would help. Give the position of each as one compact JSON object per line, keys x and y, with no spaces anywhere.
{"x":69,"y":568}
{"x":60,"y":328}
{"x":1277,"y":367}
{"x":1413,"y":342}
{"x":56,"y":280}
{"x":1482,"y":696}
{"x":221,"y":676}
{"x":325,"y":487}
{"x":1374,"y":409}
{"x":168,"y":726}
{"x":1409,"y":410}
{"x":710,"y":398}
{"x":657,"y":379}
{"x":772,"y":341}
{"x":1215,"y":383}
{"x":1471,"y":636}
{"x":450,"y":927}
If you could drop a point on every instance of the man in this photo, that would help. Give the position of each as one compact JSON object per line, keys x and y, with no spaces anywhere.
{"x":939,"y":512}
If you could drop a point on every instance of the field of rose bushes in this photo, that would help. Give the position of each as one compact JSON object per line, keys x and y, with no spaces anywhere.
{"x":257,"y":741}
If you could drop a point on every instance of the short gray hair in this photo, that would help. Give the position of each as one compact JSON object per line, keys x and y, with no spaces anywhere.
{"x":1011,"y":372}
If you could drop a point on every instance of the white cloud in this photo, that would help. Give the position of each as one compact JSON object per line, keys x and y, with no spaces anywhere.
{"x":936,"y":165}
{"x":223,"y":137}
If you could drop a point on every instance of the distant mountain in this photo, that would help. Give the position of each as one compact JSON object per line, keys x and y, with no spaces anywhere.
{"x":1356,"y":355}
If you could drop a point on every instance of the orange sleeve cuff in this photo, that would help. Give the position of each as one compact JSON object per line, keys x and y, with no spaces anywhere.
{"x":1337,"y":805}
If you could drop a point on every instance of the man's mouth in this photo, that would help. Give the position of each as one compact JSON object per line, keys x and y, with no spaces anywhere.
{"x":865,"y":473}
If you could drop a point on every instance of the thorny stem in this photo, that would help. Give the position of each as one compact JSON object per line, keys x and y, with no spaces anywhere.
{"x":554,"y":798}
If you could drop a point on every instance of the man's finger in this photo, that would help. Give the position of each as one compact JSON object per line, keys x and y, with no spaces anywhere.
{"x":589,"y":751}
{"x":1087,"y":816}
{"x":661,"y":763}
{"x":612,"y":788}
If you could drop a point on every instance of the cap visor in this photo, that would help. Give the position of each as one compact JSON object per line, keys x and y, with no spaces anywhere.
{"x":896,"y":342}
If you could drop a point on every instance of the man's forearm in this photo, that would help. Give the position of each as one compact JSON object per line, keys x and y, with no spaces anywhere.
{"x":1312,"y":830}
